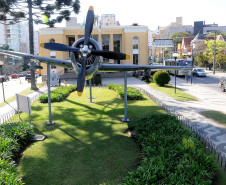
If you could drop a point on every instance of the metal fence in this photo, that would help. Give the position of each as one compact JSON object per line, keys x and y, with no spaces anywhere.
{"x":220,"y":157}
{"x":12,"y":115}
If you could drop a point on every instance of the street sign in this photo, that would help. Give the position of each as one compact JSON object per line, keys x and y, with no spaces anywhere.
{"x":163,"y":43}
{"x":23,"y":104}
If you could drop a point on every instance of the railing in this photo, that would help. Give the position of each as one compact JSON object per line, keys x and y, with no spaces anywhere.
{"x":10,"y":115}
{"x":220,"y":157}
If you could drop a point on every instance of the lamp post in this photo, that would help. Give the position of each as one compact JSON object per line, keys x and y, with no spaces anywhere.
{"x":175,"y":55}
{"x":214,"y":55}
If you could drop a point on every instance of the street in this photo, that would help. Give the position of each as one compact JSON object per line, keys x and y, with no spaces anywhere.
{"x":211,"y":81}
{"x":14,"y":86}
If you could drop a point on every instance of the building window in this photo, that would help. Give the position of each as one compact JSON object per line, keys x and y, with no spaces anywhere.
{"x":117,"y":46}
{"x":71,"y":41}
{"x":105,"y":45}
{"x":135,"y":50}
{"x":135,"y":43}
{"x":135,"y":59}
{"x":95,"y":37}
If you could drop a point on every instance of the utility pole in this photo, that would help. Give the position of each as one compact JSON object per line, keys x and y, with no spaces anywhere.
{"x":214,"y":54}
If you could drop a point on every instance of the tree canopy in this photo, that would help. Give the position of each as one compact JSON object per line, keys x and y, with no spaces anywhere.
{"x":217,"y":33}
{"x":209,"y":52}
{"x":177,"y":37}
{"x":14,"y":11}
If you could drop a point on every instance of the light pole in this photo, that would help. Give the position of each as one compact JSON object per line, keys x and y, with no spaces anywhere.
{"x":175,"y":55}
{"x":214,"y":54}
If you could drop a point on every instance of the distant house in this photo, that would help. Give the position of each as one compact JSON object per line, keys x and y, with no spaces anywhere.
{"x":199,"y":44}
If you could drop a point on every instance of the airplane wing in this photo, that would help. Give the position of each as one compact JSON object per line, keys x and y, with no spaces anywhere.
{"x":37,"y":58}
{"x":127,"y":67}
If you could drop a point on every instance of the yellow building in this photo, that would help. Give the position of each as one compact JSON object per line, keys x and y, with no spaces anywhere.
{"x":132,"y":40}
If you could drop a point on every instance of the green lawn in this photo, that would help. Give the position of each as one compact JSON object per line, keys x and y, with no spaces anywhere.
{"x":170,"y":90}
{"x":87,"y":145}
{"x":216,"y":116}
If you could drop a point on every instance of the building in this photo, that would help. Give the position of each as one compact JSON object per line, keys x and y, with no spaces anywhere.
{"x":109,"y":20}
{"x":132,"y":40}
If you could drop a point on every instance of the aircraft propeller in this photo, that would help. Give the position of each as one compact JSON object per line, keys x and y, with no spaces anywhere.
{"x":85,"y":51}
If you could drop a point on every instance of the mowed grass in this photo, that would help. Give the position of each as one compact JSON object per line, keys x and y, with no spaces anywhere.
{"x":170,"y":90}
{"x":87,"y":144}
{"x":216,"y":116}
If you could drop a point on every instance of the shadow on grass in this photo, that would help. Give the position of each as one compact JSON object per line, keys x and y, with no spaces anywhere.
{"x":86,"y":145}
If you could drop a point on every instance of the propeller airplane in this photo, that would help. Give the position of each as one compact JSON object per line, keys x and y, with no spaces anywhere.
{"x":85,"y":57}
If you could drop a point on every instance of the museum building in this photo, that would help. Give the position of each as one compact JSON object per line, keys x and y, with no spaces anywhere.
{"x":132,"y":40}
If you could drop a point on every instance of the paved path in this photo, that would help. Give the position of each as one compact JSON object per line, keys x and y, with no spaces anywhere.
{"x":191,"y":110}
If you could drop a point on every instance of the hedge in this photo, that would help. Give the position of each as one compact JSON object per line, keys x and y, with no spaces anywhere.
{"x":58,"y":94}
{"x":132,"y":94}
{"x":13,"y":137}
{"x":171,"y":154}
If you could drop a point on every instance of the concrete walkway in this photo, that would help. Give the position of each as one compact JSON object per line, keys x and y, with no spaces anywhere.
{"x":208,"y":100}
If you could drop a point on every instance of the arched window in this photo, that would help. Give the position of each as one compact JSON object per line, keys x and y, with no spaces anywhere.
{"x":135,"y":50}
{"x":135,"y":43}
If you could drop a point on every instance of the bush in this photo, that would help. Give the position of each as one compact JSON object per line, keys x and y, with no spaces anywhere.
{"x":170,"y":154}
{"x":58,"y":94}
{"x":161,"y":78}
{"x":13,"y":137}
{"x":8,"y":173}
{"x":132,"y":94}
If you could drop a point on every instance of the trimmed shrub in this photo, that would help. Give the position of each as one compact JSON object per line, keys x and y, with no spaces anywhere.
{"x":13,"y":137}
{"x":161,"y":78}
{"x":132,"y":94}
{"x":8,"y":173}
{"x":58,"y":94}
{"x":170,"y":154}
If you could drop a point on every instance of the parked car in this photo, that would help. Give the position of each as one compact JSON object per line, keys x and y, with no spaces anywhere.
{"x":4,"y":78}
{"x":223,"y":83}
{"x":28,"y":77}
{"x":198,"y":72}
{"x":15,"y":76}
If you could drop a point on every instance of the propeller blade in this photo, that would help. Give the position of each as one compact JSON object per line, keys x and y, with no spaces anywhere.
{"x":81,"y":77}
{"x":89,"y":25}
{"x":111,"y":54}
{"x":58,"y":47}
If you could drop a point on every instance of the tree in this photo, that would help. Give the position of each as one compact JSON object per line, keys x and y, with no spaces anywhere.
{"x":209,"y":52}
{"x":14,"y":11}
{"x":217,"y":33}
{"x":177,"y":37}
{"x":202,"y":60}
{"x":221,"y":60}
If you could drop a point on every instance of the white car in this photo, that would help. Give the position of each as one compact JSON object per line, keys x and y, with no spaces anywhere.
{"x":198,"y":72}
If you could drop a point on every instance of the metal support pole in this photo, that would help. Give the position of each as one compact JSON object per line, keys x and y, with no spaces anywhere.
{"x":191,"y":76}
{"x":90,"y":91}
{"x":125,"y":98}
{"x":3,"y":92}
{"x":175,"y":81}
{"x":49,"y":97}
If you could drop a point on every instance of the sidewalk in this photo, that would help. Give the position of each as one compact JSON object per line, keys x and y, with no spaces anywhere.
{"x":190,"y":110}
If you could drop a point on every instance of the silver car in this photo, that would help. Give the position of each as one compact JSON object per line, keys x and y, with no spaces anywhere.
{"x":198,"y":72}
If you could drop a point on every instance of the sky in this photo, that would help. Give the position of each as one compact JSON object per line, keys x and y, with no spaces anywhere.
{"x":158,"y":13}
